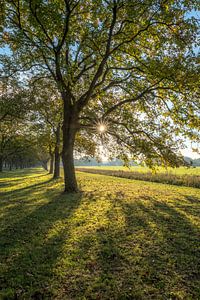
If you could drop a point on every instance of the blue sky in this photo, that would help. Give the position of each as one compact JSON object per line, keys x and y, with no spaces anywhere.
{"x":4,"y":50}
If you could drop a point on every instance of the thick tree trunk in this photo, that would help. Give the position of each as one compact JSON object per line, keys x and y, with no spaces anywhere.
{"x":70,"y":127}
{"x":69,"y":170}
{"x":51,"y":163}
{"x":57,"y":154}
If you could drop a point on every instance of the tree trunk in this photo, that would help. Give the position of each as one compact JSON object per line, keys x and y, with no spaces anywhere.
{"x":45,"y":164}
{"x":69,"y":170}
{"x":51,"y":163}
{"x":70,"y":127}
{"x":1,"y":164}
{"x":57,"y":154}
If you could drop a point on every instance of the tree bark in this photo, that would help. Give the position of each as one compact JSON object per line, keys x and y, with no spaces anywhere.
{"x":57,"y":154}
{"x":1,"y":164}
{"x":70,"y":127}
{"x":45,"y":164}
{"x":69,"y":170}
{"x":51,"y":163}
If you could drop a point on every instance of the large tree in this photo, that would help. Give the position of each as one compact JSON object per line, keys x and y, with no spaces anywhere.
{"x":125,"y":66}
{"x":47,"y":117}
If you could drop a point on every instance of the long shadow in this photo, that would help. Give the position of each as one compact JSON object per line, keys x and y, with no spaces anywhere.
{"x":192,"y":199}
{"x":152,"y":254}
{"x":21,"y":173}
{"x":146,"y":249}
{"x":28,"y":254}
{"x":168,"y":244}
{"x":14,"y":181}
{"x":17,"y":202}
{"x":19,"y":191}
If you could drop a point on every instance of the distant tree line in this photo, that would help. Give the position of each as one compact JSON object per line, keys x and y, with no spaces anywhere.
{"x":192,"y":162}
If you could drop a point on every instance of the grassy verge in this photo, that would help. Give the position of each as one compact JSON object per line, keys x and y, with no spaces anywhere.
{"x":167,"y":177}
{"x":117,"y":239}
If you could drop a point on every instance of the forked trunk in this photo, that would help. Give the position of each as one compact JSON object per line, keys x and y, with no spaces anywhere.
{"x":57,"y":154}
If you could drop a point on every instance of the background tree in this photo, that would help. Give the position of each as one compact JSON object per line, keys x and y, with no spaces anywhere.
{"x":14,"y":102}
{"x":47,"y":108}
{"x":127,"y":64}
{"x":16,"y":146}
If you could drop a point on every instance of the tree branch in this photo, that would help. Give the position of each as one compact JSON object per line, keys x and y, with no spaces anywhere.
{"x":130,"y":100}
{"x":85,"y":98}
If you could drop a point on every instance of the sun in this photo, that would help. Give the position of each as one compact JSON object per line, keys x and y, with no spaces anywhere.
{"x":101,"y":128}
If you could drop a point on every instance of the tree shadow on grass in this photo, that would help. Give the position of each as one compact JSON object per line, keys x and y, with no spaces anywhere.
{"x":150,"y":254}
{"x":19,"y":202}
{"x":193,"y":199}
{"x":178,"y":247}
{"x":22,"y":173}
{"x":27,"y":253}
{"x":15,"y":181}
{"x":78,"y":246}
{"x":27,"y":189}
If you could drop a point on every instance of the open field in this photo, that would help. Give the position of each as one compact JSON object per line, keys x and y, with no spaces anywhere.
{"x":174,"y":171}
{"x":116,"y":239}
{"x":179,"y":176}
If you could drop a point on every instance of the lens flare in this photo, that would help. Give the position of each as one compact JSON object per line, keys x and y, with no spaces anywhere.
{"x":101,"y":128}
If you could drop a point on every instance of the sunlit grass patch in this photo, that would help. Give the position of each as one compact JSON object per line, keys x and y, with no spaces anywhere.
{"x":116,"y":239}
{"x":141,"y":169}
{"x":179,"y":176}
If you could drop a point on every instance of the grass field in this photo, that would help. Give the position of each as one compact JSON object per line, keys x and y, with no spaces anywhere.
{"x":175,"y":171}
{"x":116,"y":239}
{"x":180,"y":176}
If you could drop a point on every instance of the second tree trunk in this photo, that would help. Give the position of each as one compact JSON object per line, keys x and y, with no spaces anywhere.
{"x":57,"y":154}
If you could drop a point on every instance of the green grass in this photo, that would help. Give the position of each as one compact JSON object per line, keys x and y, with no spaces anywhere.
{"x":175,"y":171}
{"x":138,"y":173}
{"x":117,"y":239}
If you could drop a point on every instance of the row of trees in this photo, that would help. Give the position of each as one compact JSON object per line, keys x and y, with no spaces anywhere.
{"x":16,"y":150}
{"x":30,"y":126}
{"x":128,"y":68}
